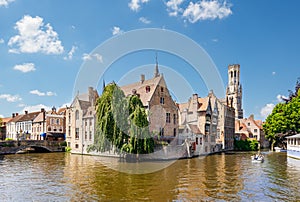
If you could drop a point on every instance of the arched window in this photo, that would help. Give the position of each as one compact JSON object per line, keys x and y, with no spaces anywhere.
{"x":77,"y":115}
{"x":231,"y":73}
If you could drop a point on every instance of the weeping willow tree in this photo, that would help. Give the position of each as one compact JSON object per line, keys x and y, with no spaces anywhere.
{"x":121,"y":123}
{"x":111,"y":122}
{"x":140,"y":141}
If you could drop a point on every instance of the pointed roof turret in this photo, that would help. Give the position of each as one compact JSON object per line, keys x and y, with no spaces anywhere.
{"x":156,"y":72}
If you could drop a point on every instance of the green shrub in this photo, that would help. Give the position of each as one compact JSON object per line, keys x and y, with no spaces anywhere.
{"x":68,"y":149}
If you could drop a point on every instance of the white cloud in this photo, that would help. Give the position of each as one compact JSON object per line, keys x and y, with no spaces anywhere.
{"x":10,"y":98}
{"x":215,"y":40}
{"x":116,"y":30}
{"x":135,"y":5}
{"x":96,"y":56}
{"x":21,"y":105}
{"x":70,"y":53}
{"x":39,"y":93}
{"x":5,"y":2}
{"x":144,"y":20}
{"x":266,"y":110}
{"x":273,"y":73}
{"x":35,"y":37}
{"x":68,"y":104}
{"x":279,"y":98}
{"x":1,"y":116}
{"x":25,"y":67}
{"x":1,"y":41}
{"x":173,"y":7}
{"x":35,"y":108}
{"x":206,"y":10}
{"x":86,"y":57}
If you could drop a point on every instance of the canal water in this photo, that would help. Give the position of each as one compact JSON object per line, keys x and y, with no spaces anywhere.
{"x":221,"y":177}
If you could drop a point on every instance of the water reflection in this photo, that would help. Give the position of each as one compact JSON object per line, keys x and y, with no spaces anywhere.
{"x":223,"y":177}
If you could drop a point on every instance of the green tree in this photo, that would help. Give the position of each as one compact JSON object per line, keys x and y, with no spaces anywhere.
{"x":111,"y":119}
{"x":141,"y":141}
{"x":121,"y":123}
{"x":284,"y":120}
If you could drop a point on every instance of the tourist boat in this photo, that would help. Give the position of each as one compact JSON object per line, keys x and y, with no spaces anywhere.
{"x":293,"y":146}
{"x":257,"y":158}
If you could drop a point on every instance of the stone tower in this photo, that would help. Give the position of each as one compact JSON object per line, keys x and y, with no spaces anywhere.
{"x":234,"y":90}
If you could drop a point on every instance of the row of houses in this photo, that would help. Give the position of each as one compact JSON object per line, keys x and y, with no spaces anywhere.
{"x":40,"y":125}
{"x":209,"y":124}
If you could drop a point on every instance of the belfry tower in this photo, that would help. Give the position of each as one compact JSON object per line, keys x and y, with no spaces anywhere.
{"x":234,"y":90}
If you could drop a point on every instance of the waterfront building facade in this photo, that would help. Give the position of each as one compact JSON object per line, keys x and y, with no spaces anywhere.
{"x":39,"y":126}
{"x":23,"y":125}
{"x":197,"y":115}
{"x":225,"y":119}
{"x":252,"y":129}
{"x":3,"y":127}
{"x":81,"y":121}
{"x":293,"y":146}
{"x":161,"y":109}
{"x":55,"y":123}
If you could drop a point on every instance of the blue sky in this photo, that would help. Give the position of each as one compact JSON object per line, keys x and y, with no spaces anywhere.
{"x":44,"y":44}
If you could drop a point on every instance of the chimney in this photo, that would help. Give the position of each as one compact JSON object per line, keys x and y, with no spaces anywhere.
{"x":13,"y":115}
{"x":142,"y":78}
{"x":42,"y":109}
{"x":195,"y":97}
{"x":91,"y":95}
{"x":17,"y":114}
{"x":26,"y":112}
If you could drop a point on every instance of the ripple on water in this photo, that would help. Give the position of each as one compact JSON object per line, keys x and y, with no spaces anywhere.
{"x":61,"y":177}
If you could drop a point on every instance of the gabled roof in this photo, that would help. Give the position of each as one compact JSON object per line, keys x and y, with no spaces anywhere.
{"x":39,"y":118}
{"x":5,"y":120}
{"x":140,"y":88}
{"x":62,"y":111}
{"x":204,"y":103}
{"x":16,"y":118}
{"x":84,"y":105}
{"x":28,"y":117}
{"x":182,"y":106}
{"x":194,"y":129}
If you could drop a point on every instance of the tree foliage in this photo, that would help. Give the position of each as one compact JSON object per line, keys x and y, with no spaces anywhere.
{"x":246,"y":145}
{"x":284,"y":119}
{"x":121,"y":123}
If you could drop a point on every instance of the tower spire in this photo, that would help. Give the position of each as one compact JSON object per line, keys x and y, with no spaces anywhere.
{"x":156,"y":72}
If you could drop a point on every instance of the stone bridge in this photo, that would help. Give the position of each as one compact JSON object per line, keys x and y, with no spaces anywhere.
{"x":40,"y":146}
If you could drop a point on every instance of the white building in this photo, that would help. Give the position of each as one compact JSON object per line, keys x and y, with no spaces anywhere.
{"x":80,"y":122}
{"x":20,"y":126}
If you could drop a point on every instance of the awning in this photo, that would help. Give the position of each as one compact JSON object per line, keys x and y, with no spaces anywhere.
{"x":43,"y":134}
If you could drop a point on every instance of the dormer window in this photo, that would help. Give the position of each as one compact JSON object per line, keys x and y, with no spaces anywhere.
{"x":162,"y":89}
{"x":147,"y":89}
